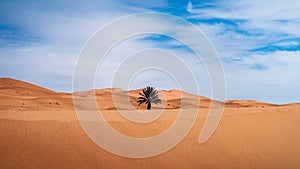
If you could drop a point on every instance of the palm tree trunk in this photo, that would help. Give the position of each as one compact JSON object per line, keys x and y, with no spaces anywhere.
{"x":149,"y":106}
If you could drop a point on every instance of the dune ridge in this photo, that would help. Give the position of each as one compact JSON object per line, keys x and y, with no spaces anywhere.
{"x":22,"y":92}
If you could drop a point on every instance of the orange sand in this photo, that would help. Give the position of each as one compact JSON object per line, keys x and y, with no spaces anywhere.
{"x":39,"y":129}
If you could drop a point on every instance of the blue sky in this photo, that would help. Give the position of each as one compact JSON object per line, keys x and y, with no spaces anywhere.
{"x":258,"y":42}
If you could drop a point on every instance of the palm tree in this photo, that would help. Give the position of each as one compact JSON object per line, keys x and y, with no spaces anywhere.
{"x":149,"y":95}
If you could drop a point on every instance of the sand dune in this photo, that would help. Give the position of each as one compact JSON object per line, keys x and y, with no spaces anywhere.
{"x":39,"y":129}
{"x":21,"y":93}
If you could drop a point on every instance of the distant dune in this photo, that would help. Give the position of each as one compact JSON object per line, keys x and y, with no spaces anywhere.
{"x":19,"y":94}
{"x":39,"y":129}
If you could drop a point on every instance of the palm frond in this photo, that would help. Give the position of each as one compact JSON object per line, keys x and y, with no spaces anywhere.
{"x":148,"y":95}
{"x":156,"y":101}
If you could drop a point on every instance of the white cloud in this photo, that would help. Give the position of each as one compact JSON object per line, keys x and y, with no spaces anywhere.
{"x":279,"y":83}
{"x":269,"y":16}
{"x":287,"y":44}
{"x":189,"y":7}
{"x":58,"y":33}
{"x":262,"y":75}
{"x":251,"y":9}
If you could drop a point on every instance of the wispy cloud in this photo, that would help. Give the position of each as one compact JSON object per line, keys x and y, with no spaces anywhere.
{"x":251,"y":9}
{"x":40,"y":42}
{"x":189,"y":7}
{"x":238,"y":28}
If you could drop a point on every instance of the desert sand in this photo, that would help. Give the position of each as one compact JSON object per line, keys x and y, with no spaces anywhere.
{"x":40,"y":129}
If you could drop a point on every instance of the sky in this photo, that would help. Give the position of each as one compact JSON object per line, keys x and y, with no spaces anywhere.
{"x":258,"y":43}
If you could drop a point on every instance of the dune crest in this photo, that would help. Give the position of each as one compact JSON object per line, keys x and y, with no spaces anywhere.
{"x":19,"y":91}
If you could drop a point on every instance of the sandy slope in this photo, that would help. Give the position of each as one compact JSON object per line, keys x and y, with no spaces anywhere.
{"x":39,"y":129}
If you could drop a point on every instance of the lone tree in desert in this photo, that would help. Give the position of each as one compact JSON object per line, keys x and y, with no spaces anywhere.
{"x":149,"y":95}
